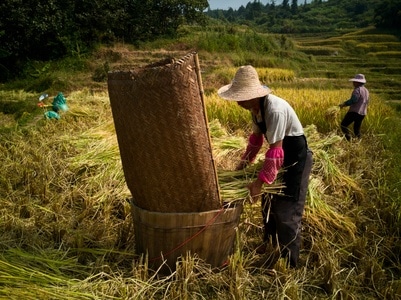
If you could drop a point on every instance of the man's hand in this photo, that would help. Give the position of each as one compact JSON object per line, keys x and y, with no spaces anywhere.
{"x":255,"y":189}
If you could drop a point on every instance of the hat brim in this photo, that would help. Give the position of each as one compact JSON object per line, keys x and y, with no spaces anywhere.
{"x":228,"y":92}
{"x":358,"y":80}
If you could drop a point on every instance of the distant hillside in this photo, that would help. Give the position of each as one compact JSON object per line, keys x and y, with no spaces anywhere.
{"x":317,"y":16}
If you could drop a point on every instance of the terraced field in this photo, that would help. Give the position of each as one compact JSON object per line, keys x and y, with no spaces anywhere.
{"x":336,"y":58}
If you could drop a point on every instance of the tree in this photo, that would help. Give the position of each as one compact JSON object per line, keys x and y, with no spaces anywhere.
{"x":254,"y":10}
{"x":48,"y":29}
{"x":294,"y":6}
{"x":388,"y":14}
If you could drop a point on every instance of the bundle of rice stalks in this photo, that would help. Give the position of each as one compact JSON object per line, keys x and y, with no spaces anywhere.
{"x":323,"y":219}
{"x":96,"y":147}
{"x":216,"y":130}
{"x":227,"y":150}
{"x":326,"y":151}
{"x":233,"y":184}
{"x":331,"y":116}
{"x":332,"y":113}
{"x":317,"y":141}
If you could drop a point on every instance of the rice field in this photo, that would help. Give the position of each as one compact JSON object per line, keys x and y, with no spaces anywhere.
{"x":67,"y":230}
{"x":365,"y":51}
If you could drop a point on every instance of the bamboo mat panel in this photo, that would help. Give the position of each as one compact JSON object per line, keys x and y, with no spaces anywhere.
{"x":162,"y":132}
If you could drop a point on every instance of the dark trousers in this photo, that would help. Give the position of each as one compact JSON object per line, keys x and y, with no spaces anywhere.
{"x":282,"y":214}
{"x":349,"y":118}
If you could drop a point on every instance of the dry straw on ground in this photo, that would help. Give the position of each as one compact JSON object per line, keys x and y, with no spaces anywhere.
{"x":65,"y":213}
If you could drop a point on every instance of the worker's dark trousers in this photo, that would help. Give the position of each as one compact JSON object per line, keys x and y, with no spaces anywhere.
{"x":349,"y":118}
{"x":282,"y":215}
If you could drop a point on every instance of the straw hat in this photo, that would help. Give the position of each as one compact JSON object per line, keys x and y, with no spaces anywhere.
{"x":245,"y":86}
{"x":359,"y":78}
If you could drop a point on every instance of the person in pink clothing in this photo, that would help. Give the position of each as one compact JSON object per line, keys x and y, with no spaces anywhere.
{"x":358,"y":105}
{"x":275,"y":121}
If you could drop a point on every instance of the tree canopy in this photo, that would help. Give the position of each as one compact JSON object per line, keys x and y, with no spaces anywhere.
{"x":317,"y":16}
{"x":43,"y":29}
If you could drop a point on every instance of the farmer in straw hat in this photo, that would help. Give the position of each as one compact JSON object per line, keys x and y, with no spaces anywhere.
{"x":358,"y":104}
{"x":276,"y":120}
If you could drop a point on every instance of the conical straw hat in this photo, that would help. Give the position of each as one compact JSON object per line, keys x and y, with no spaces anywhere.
{"x":245,"y":86}
{"x":359,"y":78}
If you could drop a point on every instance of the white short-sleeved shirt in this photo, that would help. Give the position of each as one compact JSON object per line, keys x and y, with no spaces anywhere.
{"x":280,"y":119}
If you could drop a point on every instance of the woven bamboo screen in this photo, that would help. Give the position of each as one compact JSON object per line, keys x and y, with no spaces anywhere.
{"x":162,"y":132}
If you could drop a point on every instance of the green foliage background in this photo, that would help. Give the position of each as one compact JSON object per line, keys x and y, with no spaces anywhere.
{"x":45,"y":30}
{"x":317,"y":16}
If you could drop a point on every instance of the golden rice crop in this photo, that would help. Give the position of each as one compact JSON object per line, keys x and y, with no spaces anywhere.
{"x":229,"y":114}
{"x":320,"y":50}
{"x":269,"y":75}
{"x":371,"y":38}
{"x":385,"y":54}
{"x":266,"y":75}
{"x":311,"y":105}
{"x":67,"y":194}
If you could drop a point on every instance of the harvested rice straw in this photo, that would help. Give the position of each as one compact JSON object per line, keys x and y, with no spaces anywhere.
{"x":332,"y":113}
{"x":233,"y":184}
{"x":321,"y":215}
{"x":227,"y":150}
{"x":332,"y":116}
{"x":216,"y":130}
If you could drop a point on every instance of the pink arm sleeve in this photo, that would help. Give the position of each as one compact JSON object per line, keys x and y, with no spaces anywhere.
{"x":273,"y":161}
{"x":255,"y":142}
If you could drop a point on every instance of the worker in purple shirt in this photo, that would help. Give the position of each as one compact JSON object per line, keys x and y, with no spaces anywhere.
{"x":358,"y":104}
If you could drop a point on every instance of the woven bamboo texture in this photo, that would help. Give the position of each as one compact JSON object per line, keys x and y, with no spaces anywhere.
{"x":165,"y":237}
{"x":162,"y":132}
